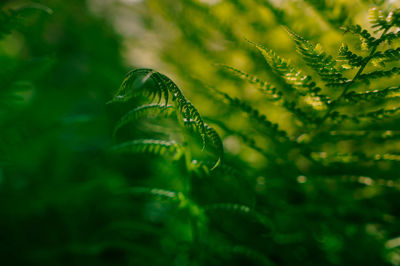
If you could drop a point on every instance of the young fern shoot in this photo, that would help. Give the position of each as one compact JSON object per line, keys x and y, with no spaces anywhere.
{"x":156,"y":85}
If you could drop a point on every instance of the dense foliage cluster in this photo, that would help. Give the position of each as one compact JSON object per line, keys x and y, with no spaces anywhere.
{"x":287,"y":154}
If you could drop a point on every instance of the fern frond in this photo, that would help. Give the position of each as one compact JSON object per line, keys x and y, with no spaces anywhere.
{"x":141,"y":81}
{"x":349,"y":58}
{"x":390,"y":37}
{"x":367,"y":40}
{"x":303,"y":83}
{"x":373,"y":115}
{"x":153,"y":146}
{"x":383,"y":20}
{"x":381,"y":113}
{"x":377,"y":18}
{"x":152,"y":192}
{"x":391,"y":92}
{"x":263,"y":86}
{"x":379,"y":74}
{"x":144,"y":111}
{"x":354,"y":157}
{"x":153,"y":83}
{"x":213,"y":141}
{"x":303,"y":116}
{"x":317,"y":59}
{"x":361,"y":179}
{"x":386,"y":56}
{"x":216,"y":143}
{"x":380,"y":135}
{"x":256,"y":115}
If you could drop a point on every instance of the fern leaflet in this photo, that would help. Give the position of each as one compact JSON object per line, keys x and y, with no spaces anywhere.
{"x":144,"y":111}
{"x":153,"y":146}
{"x":317,"y":59}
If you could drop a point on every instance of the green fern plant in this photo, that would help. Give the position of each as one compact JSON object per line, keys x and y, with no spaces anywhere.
{"x":342,"y":131}
{"x":157,"y":86}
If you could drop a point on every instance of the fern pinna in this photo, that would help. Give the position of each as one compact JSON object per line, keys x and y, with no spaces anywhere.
{"x":342,"y":133}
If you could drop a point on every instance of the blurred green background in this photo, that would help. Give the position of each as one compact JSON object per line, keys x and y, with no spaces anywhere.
{"x":64,"y":197}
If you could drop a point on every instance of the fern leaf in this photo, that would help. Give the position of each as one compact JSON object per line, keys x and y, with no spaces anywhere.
{"x":135,"y":82}
{"x":303,"y":83}
{"x":153,"y":146}
{"x":380,"y":135}
{"x":383,"y":20}
{"x":263,"y":86}
{"x":256,"y":115}
{"x":152,"y":192}
{"x":144,"y":111}
{"x":391,"y":92}
{"x":152,"y":83}
{"x":317,"y":59}
{"x":213,"y":141}
{"x":216,"y":143}
{"x":354,"y":157}
{"x":348,"y":58}
{"x":381,"y":113}
{"x":386,"y":56}
{"x":373,"y":115}
{"x":186,"y":108}
{"x":379,"y":74}
{"x":377,"y":18}
{"x":390,"y":37}
{"x":367,"y":41}
{"x":303,"y":116}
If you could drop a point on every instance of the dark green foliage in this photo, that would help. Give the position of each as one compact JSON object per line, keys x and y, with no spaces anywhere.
{"x":349,"y":58}
{"x":331,"y":107}
{"x":16,"y":19}
{"x":287,"y":153}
